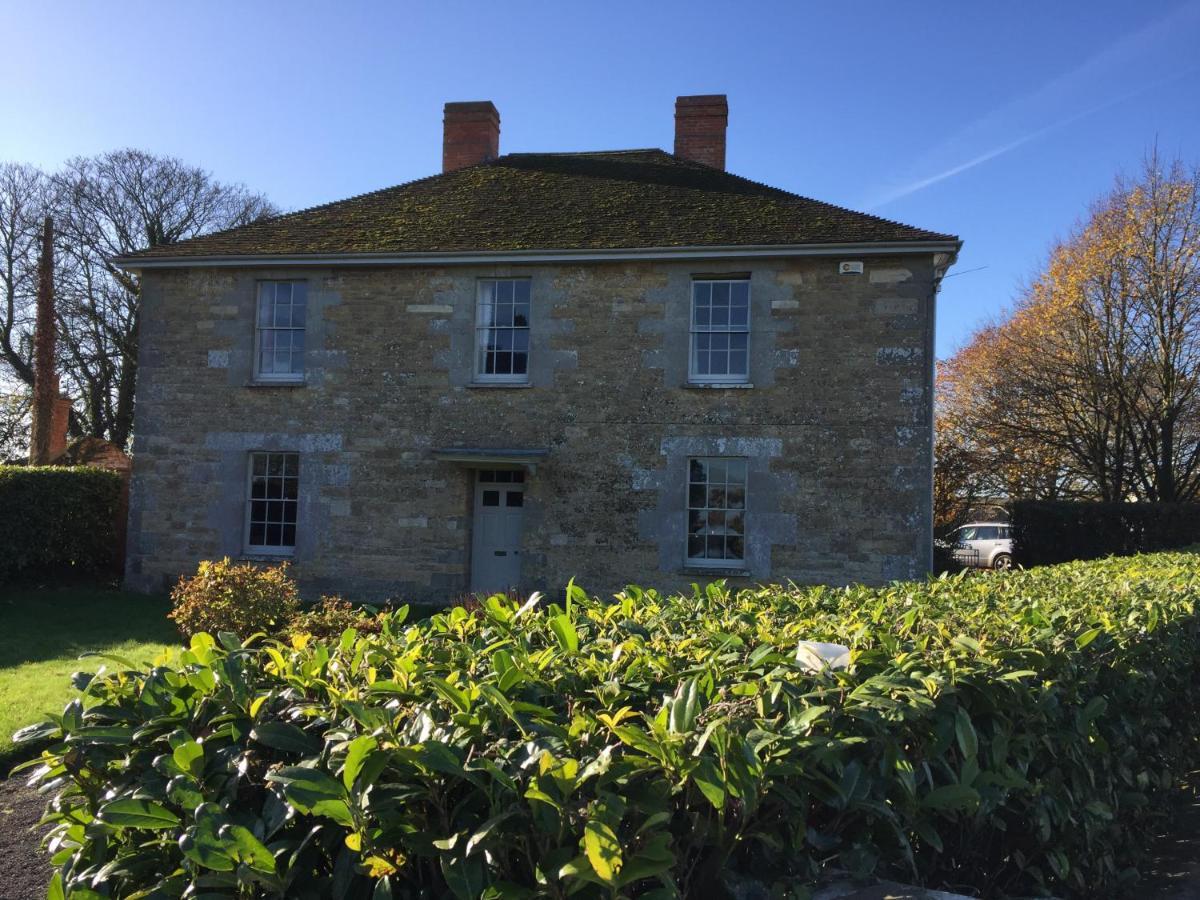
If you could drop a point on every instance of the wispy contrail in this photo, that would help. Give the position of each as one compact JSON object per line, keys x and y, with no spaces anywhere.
{"x":923,"y":183}
{"x":1057,"y":92}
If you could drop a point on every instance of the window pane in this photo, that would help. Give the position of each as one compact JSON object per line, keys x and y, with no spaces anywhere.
{"x":274,"y":535}
{"x":735,"y":523}
{"x":504,"y":291}
{"x":520,"y":340}
{"x":514,"y":498}
{"x":735,"y":548}
{"x":289,"y":536}
{"x":521,"y":316}
{"x":486,"y":476}
{"x":520,"y":363}
{"x":503,"y":363}
{"x":701,"y":291}
{"x":266,"y":294}
{"x":289,"y":513}
{"x":703,"y":366}
{"x":697,"y":471}
{"x":695,"y":548}
{"x":716,"y":497}
{"x":735,"y":471}
{"x":738,"y":317}
{"x":283,"y":292}
{"x":739,"y":293}
{"x":696,"y":496}
{"x":737,"y":363}
{"x":720,"y":316}
{"x":696,"y":522}
{"x":521,"y":291}
{"x":720,"y":294}
{"x":715,"y":547}
{"x":487,"y":292}
{"x":735,"y":497}
{"x":258,"y":534}
{"x":491,"y":498}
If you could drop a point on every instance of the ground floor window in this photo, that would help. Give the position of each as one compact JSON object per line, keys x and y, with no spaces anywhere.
{"x":272,"y":496}
{"x":716,"y":510}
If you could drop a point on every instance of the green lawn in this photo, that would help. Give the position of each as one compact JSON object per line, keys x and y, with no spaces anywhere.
{"x":44,"y":631}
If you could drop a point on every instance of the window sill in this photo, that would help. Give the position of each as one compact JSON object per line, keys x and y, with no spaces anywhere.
{"x":263,"y":556}
{"x":276,"y":384}
{"x":499,"y":384}
{"x":718,"y":385}
{"x":717,"y":571}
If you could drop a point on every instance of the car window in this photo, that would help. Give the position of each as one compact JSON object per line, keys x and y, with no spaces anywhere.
{"x":967,"y":534}
{"x":1005,"y":532}
{"x":988,"y":532}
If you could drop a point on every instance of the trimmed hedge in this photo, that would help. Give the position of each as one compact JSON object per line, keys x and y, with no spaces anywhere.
{"x":1013,"y":732}
{"x":1053,"y":531}
{"x":57,"y":520}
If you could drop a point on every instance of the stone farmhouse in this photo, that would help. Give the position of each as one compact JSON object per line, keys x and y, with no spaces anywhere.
{"x":622,"y":365}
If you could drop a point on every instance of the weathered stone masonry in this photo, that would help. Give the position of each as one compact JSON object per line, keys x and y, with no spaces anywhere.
{"x":836,"y":425}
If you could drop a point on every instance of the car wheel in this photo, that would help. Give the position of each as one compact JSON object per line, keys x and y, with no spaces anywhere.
{"x":1002,"y":563}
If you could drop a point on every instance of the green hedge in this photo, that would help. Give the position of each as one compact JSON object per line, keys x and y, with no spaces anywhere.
{"x":1013,"y":733}
{"x":1053,"y":531}
{"x":57,"y":520}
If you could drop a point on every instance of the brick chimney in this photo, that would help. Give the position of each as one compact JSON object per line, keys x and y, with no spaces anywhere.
{"x":471,"y":134}
{"x":700,"y":128}
{"x":60,"y":419}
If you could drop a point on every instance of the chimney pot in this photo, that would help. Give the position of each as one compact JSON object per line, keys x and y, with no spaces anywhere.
{"x":470,"y":135}
{"x":700,"y":123}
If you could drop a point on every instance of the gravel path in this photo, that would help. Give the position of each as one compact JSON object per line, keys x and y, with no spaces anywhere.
{"x":24,"y":871}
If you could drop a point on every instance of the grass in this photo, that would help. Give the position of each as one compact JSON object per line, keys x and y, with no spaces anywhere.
{"x":43,"y":632}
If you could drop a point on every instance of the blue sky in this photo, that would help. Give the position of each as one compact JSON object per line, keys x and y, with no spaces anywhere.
{"x":999,"y":122}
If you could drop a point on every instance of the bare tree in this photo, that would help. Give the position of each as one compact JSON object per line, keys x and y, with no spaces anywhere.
{"x":24,"y":200}
{"x":109,"y":206}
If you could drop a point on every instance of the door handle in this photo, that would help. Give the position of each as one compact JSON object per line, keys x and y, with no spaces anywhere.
{"x":500,"y":552}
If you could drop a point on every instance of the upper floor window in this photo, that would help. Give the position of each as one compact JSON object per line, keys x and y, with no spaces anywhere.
{"x":502,"y":330}
{"x":272,"y":498}
{"x":720,"y":331}
{"x":279,"y":331}
{"x":716,"y":511}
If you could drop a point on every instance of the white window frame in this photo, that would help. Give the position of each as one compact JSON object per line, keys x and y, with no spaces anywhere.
{"x":260,"y":329}
{"x":248,"y":515}
{"x":704,"y":561}
{"x":484,"y":331}
{"x":698,"y":328}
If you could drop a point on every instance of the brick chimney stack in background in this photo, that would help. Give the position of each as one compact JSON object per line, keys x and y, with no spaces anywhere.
{"x":470,"y":135}
{"x":700,"y":123}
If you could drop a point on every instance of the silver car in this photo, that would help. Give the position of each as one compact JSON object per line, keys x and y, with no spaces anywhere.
{"x":984,"y":545}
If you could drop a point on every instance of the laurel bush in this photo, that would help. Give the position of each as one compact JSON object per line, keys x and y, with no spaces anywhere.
{"x":1012,"y":733}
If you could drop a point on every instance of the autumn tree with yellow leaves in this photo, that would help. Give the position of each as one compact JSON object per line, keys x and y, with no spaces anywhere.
{"x":1091,"y":387}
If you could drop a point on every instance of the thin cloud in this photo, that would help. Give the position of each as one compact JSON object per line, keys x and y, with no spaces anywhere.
{"x":1061,"y":91}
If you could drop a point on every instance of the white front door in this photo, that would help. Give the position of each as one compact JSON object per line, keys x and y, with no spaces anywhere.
{"x":496,"y":532}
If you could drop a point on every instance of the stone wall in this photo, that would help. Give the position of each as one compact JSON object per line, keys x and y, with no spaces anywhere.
{"x":836,"y":425}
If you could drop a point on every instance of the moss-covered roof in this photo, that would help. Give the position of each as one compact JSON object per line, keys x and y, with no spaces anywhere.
{"x":554,"y":201}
